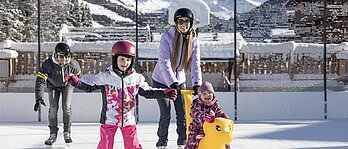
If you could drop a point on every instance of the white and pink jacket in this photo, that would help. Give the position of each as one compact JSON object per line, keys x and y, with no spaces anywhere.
{"x":119,"y":95}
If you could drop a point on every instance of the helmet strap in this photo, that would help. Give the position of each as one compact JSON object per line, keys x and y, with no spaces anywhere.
{"x":56,"y":60}
{"x":188,"y":32}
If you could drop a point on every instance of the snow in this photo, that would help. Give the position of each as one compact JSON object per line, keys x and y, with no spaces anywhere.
{"x":256,"y":3}
{"x":96,"y":24}
{"x":318,"y":48}
{"x":5,"y":44}
{"x":222,"y":47}
{"x":129,"y":4}
{"x":99,"y":10}
{"x":200,"y":9}
{"x":225,"y":15}
{"x":266,"y":48}
{"x":222,"y":9}
{"x":310,"y":49}
{"x":8,"y":54}
{"x":342,"y":55}
{"x":282,"y":33}
{"x":152,"y":6}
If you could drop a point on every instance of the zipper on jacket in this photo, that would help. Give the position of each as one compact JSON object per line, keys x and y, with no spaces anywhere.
{"x":63,"y":75}
{"x":122,"y":92}
{"x":182,"y":50}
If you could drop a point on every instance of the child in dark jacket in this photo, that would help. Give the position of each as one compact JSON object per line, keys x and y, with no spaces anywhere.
{"x":204,"y":108}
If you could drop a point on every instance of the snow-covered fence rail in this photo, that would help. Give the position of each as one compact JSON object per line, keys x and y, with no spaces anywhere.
{"x":256,"y":61}
{"x":292,"y":58}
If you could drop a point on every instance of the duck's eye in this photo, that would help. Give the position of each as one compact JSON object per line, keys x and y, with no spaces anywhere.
{"x":229,"y":127}
{"x":218,"y":128}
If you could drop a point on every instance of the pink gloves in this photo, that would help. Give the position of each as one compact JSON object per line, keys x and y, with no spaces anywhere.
{"x":71,"y":77}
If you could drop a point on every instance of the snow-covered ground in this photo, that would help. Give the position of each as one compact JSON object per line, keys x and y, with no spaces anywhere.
{"x":323,"y":134}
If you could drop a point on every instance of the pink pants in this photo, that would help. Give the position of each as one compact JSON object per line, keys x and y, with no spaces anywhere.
{"x":129,"y":133}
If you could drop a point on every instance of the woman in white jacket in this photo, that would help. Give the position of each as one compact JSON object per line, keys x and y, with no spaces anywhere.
{"x":179,"y":54}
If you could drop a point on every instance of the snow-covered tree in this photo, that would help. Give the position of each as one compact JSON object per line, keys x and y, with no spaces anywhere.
{"x":11,"y":21}
{"x":79,"y":15}
{"x":86,"y":18}
{"x":29,"y":9}
{"x":58,"y":12}
{"x":19,"y":18}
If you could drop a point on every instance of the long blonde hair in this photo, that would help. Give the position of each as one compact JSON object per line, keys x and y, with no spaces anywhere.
{"x":187,"y":41}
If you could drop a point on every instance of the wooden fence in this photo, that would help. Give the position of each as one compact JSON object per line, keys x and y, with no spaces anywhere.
{"x":219,"y":72}
{"x":249,"y":63}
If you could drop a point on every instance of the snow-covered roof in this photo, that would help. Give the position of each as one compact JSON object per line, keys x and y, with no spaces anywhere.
{"x":342,"y":55}
{"x":8,"y":54}
{"x":5,"y":44}
{"x":280,"y":32}
{"x":200,"y":9}
{"x":253,"y":47}
{"x":319,"y":48}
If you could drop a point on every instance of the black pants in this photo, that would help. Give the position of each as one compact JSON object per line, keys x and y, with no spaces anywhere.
{"x":53,"y":97}
{"x":164,"y":105}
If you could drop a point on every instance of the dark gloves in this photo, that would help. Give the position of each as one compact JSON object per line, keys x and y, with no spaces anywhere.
{"x":195,"y":88}
{"x":170,"y":93}
{"x":38,"y":104}
{"x":176,"y":86}
{"x":72,"y":78}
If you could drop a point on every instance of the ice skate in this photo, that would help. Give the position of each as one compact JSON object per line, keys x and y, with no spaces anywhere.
{"x":51,"y":140}
{"x":67,"y":138}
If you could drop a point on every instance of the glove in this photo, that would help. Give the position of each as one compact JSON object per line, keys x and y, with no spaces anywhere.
{"x":170,"y":93}
{"x":72,"y":78}
{"x":224,"y":115}
{"x":195,"y":88}
{"x":209,"y":119}
{"x":38,"y":104}
{"x":176,"y":86}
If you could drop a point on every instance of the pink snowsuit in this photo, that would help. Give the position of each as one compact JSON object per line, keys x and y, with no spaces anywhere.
{"x":199,"y":111}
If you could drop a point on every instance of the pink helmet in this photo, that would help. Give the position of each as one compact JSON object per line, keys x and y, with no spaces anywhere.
{"x":123,"y":48}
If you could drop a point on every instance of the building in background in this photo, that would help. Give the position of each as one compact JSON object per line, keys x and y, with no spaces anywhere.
{"x":306,"y":19}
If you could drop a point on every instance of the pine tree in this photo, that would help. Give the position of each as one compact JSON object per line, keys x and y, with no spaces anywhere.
{"x":29,"y":9}
{"x":18,"y":18}
{"x":11,"y":21}
{"x":86,"y":16}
